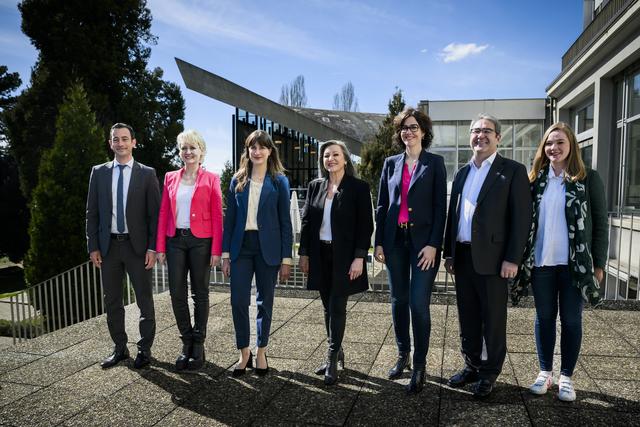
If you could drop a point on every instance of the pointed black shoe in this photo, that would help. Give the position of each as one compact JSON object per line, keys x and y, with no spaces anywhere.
{"x":114,"y":358}
{"x":323,"y":366}
{"x":143,"y":359}
{"x":482,"y":389}
{"x":196,"y":361}
{"x":183,"y":359}
{"x":331,"y":373}
{"x":238,"y":372}
{"x":261,"y":372}
{"x":401,"y":364}
{"x":462,"y":378}
{"x":416,"y":384}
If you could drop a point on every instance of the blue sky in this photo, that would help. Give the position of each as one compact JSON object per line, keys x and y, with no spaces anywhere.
{"x":430,"y":49}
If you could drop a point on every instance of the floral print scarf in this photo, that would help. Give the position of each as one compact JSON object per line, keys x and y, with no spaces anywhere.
{"x":580,"y":260}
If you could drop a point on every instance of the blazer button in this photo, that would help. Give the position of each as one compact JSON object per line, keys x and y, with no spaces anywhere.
{"x":411,"y":224}
{"x":410,"y":209}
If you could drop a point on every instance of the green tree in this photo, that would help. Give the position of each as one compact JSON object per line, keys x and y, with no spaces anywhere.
{"x":105,"y":46}
{"x":13,"y":207}
{"x":225,"y":181}
{"x":373,"y":153}
{"x":58,"y":205}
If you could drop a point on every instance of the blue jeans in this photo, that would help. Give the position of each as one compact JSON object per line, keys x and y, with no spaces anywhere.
{"x":410,"y":297}
{"x":248,"y":263}
{"x":552,"y":285}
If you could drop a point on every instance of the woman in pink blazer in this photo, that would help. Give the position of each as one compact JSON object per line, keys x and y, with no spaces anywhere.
{"x":190,"y":233}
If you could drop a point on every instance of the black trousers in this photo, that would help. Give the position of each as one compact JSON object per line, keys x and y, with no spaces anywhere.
{"x":335,"y":306}
{"x":189,"y":254}
{"x":482,"y":311}
{"x":120,"y":258}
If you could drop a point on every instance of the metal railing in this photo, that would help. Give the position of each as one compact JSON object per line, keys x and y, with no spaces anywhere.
{"x":609,"y":13}
{"x":623,"y":263}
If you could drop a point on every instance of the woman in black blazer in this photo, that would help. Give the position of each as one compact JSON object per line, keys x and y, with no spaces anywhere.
{"x":334,"y":242}
{"x":410,"y":221}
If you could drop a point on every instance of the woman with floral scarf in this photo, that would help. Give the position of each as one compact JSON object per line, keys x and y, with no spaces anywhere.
{"x":566,"y":252}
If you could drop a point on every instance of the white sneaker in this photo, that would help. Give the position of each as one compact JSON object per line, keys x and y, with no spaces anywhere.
{"x":566,"y":393}
{"x":543,"y":382}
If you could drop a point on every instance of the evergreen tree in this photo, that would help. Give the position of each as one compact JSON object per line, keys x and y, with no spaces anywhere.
{"x":225,"y":181}
{"x":104,"y":45}
{"x":373,"y":154}
{"x":58,"y":205}
{"x":13,"y":207}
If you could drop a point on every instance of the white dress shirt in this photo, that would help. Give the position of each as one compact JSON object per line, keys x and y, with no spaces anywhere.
{"x":469,"y":196}
{"x":325,"y":227}
{"x":126,"y":178}
{"x":183,"y":205}
{"x":552,"y":236}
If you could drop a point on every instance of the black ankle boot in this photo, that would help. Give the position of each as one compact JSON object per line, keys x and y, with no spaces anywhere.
{"x":183,"y":359}
{"x":196,"y":361}
{"x":416,"y":384}
{"x":323,"y":366}
{"x":401,"y":364}
{"x":331,"y":373}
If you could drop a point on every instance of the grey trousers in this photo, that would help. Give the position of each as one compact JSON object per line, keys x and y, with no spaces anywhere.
{"x":120,"y":258}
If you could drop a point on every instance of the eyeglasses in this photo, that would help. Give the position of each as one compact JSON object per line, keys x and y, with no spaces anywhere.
{"x":413,"y":128}
{"x":484,"y":131}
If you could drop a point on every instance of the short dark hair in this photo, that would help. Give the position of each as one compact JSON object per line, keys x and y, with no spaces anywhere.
{"x":423,"y":121}
{"x":122,"y":126}
{"x":488,"y":117}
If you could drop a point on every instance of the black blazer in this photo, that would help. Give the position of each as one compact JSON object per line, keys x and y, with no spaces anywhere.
{"x":502,"y":218}
{"x":143,"y":205}
{"x":427,"y":201}
{"x":351,"y":228}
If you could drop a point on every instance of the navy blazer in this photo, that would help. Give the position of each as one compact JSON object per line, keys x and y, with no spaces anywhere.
{"x":426,"y":199}
{"x":143,"y":204}
{"x":274,"y":221}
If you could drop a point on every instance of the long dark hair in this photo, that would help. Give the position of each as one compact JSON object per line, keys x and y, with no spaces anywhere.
{"x":274,"y":166}
{"x":423,"y":121}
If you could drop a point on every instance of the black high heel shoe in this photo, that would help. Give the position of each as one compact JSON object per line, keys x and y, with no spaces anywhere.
{"x":238,"y":372}
{"x":261,"y":372}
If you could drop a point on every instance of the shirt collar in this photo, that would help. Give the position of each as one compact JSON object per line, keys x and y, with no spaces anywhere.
{"x":129,"y":163}
{"x":552,"y":175}
{"x":488,"y":161}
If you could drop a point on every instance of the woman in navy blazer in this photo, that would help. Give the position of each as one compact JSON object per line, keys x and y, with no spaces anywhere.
{"x":334,"y":242}
{"x":410,"y":220}
{"x":257,"y":240}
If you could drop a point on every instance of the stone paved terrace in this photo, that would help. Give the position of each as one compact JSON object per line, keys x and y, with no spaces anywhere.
{"x":56,"y":379}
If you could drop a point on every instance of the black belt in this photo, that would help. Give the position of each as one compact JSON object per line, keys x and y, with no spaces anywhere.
{"x":325,"y":242}
{"x":119,"y":237}
{"x":183,"y":232}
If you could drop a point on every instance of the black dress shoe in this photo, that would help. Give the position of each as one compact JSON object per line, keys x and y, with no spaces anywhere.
{"x":401,"y":364}
{"x":416,"y":384}
{"x":238,"y":372}
{"x":143,"y":359}
{"x":261,"y":372}
{"x":183,"y":359}
{"x":323,"y":366}
{"x":196,"y":361}
{"x":114,"y":358}
{"x":460,"y":379}
{"x":482,"y":388}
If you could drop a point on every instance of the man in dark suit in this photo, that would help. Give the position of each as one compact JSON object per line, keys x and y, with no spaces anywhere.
{"x":487,"y":228}
{"x":122,"y":217}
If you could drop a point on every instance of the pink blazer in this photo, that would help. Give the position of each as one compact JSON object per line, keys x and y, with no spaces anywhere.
{"x":206,"y":209}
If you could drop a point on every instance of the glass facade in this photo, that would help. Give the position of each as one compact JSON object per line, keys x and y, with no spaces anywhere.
{"x":520,"y":139}
{"x":625,"y":151}
{"x":298,"y":152}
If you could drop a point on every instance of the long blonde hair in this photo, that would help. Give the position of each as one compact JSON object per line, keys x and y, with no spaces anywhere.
{"x":576,"y":170}
{"x":274,"y":166}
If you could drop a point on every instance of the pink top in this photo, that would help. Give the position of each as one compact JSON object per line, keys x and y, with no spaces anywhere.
{"x":403,"y":216}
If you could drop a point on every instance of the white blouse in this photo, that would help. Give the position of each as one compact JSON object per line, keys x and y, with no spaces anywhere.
{"x":552,"y":237}
{"x":255,"y":188}
{"x":325,"y":227}
{"x":183,"y":205}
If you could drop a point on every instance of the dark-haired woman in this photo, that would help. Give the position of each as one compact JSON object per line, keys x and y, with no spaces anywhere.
{"x":257,"y":240}
{"x":566,"y":253}
{"x":410,"y":220}
{"x":337,"y":223}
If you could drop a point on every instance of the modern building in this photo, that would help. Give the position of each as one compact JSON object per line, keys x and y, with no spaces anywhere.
{"x":598,"y":93}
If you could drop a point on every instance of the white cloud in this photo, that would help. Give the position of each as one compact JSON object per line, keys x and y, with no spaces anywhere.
{"x":210,"y":21}
{"x":457,"y":51}
{"x":423,"y":50}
